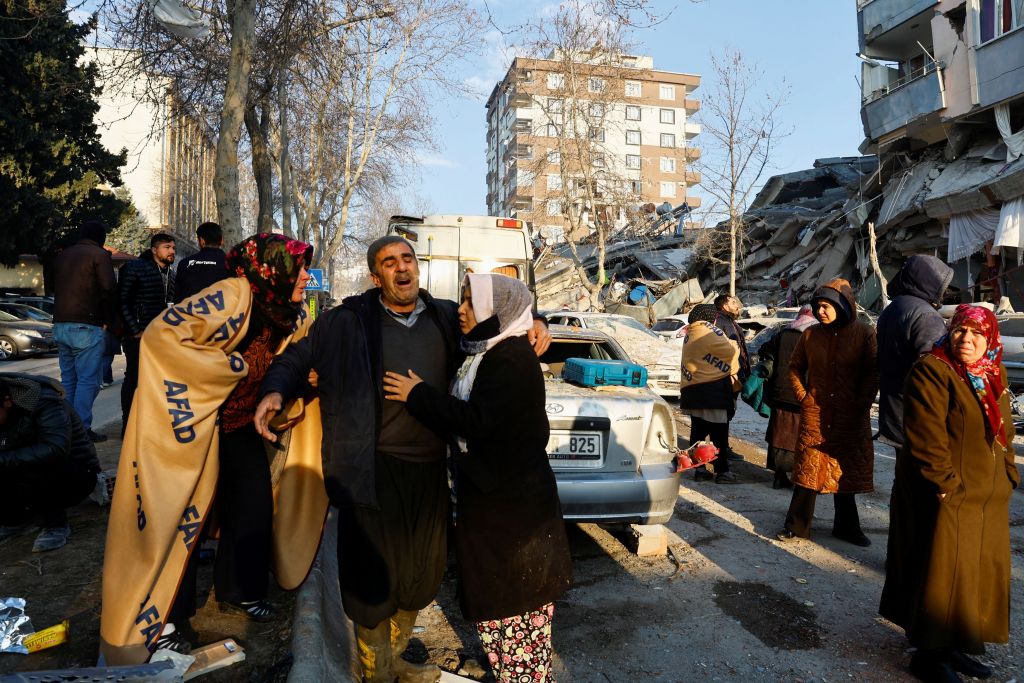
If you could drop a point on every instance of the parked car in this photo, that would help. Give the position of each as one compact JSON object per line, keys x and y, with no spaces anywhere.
{"x":26,"y":312}
{"x":612,"y":450}
{"x":672,"y":328}
{"x":1011,"y":329}
{"x":24,"y":337}
{"x":662,"y":360}
{"x":44,"y":303}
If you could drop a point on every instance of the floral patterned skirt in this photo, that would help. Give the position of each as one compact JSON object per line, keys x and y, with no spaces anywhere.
{"x":519,"y":648}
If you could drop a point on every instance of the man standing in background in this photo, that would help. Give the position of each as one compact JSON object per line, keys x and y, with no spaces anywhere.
{"x":145,"y":289}
{"x":83,"y":307}
{"x":203,"y":268}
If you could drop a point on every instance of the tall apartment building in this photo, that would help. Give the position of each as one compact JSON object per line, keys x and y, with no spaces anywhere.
{"x":171,"y":152}
{"x":633,"y":121}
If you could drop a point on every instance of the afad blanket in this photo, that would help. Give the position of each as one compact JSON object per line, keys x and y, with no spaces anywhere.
{"x":168,"y":470}
{"x":708,"y":356}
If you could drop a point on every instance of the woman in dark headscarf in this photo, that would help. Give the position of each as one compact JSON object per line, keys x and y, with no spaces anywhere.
{"x":784,"y":423}
{"x":947,"y":575}
{"x":510,"y":542}
{"x":833,"y":375}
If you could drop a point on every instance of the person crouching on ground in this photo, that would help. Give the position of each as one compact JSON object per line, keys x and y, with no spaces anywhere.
{"x":191,"y":438}
{"x":47,"y":460}
{"x":834,"y":378}
{"x":511,"y":547}
{"x":947,"y":574}
{"x":708,"y":388}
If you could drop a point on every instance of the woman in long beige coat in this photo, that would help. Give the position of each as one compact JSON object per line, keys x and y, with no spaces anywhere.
{"x":947,"y":575}
{"x":833,"y":374}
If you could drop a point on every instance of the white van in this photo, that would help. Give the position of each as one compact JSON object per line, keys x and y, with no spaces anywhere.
{"x":449,"y":246}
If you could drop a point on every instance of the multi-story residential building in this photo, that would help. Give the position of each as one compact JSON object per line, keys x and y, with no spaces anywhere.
{"x":171,"y":152}
{"x":930,"y":65}
{"x":596,"y":134}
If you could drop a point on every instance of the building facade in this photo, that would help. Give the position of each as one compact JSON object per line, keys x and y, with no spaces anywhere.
{"x":573,"y":140}
{"x":171,"y":153}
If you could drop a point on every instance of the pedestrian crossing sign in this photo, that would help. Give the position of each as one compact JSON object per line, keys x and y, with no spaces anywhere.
{"x":316,"y":281}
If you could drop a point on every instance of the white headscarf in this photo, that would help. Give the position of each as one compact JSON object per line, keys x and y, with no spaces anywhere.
{"x":498,"y":296}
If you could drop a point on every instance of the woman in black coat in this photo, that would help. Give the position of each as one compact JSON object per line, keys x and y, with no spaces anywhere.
{"x":510,"y":542}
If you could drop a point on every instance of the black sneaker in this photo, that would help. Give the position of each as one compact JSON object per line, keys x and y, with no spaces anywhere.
{"x":96,"y":438}
{"x":702,"y":474}
{"x":176,"y":642}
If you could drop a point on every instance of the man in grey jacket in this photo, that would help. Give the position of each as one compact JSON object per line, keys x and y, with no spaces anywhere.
{"x":908,"y":327}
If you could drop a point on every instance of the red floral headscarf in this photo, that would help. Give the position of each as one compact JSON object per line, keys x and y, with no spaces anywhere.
{"x":271,"y":263}
{"x":983,"y":375}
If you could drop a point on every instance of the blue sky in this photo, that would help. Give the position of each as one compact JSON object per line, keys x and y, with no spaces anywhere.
{"x":808,"y":43}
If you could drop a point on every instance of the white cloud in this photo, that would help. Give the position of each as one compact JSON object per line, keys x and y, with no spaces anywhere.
{"x":435,"y":160}
{"x":496,"y":58}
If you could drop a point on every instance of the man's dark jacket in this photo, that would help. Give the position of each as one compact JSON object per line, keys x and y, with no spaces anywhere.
{"x":43,"y":431}
{"x":726,"y":323}
{"x":345,"y":348}
{"x":908,"y":327}
{"x":197,"y":272}
{"x":143,"y":292}
{"x":84,"y":288}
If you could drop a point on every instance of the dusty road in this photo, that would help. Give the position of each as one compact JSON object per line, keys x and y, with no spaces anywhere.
{"x":745,"y":607}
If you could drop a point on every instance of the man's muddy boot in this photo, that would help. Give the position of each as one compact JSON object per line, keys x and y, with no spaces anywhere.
{"x":374,"y":646}
{"x":401,"y":631}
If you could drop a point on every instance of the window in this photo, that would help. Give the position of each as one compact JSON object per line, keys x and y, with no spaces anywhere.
{"x":597,"y":161}
{"x":632,"y":137}
{"x":596,"y":110}
{"x":668,"y":140}
{"x":636,"y":186}
{"x":998,"y":17}
{"x":634,"y":89}
{"x":632,"y":161}
{"x":667,"y":92}
{"x":595,"y":84}
{"x":524,"y":151}
{"x":524,"y":125}
{"x":632,"y":112}
{"x":596,"y":134}
{"x":555,"y":130}
{"x":526,"y":75}
{"x":554,"y":182}
{"x":667,"y":189}
{"x":667,"y":115}
{"x":668,"y":165}
{"x":554,"y":105}
{"x":554,"y":157}
{"x":554,"y":208}
{"x":556,"y":81}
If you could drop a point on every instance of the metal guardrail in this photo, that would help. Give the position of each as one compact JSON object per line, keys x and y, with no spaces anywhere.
{"x":915,"y":75}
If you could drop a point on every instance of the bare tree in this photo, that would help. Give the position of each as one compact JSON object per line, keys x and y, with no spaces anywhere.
{"x":740,"y":127}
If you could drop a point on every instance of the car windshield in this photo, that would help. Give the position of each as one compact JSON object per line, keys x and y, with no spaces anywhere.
{"x":612,"y":326}
{"x":667,"y":325}
{"x":788,"y":315}
{"x":27,"y":313}
{"x":562,"y":349}
{"x":1012,"y":327}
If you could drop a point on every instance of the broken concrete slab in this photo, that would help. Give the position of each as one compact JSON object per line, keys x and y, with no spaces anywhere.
{"x":647,"y":540}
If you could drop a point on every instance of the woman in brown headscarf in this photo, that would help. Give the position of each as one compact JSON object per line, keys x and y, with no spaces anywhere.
{"x":947,"y":575}
{"x":833,"y":374}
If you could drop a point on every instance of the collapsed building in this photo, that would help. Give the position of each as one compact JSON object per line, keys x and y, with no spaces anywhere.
{"x":943,"y":173}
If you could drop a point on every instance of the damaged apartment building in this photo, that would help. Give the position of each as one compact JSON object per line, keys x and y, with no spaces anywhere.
{"x":943,"y":115}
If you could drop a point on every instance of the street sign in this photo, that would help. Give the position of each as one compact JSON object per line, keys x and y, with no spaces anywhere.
{"x":316,"y":280}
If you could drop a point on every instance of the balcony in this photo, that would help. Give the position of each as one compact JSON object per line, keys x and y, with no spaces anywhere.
{"x":691,"y":153}
{"x":691,"y":178}
{"x":691,"y":106}
{"x":998,"y":62}
{"x":691,"y":130}
{"x":888,"y":28}
{"x":894,"y":106}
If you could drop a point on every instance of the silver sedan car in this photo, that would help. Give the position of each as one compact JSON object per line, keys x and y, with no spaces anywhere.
{"x":612,"y":449}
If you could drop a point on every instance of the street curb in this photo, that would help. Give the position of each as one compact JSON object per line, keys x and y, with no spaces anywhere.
{"x":323,"y":648}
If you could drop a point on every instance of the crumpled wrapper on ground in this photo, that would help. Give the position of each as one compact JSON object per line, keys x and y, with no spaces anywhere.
{"x":14,"y":625}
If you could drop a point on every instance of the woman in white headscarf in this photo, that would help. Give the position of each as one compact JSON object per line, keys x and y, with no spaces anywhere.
{"x":510,"y":541}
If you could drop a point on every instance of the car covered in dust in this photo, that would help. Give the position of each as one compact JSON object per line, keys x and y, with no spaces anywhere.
{"x":662,"y":359}
{"x":612,"y":449}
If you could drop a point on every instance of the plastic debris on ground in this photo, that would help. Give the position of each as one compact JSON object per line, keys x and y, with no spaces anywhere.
{"x":14,"y":626}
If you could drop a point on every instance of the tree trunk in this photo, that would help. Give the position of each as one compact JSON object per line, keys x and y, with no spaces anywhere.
{"x":225,"y":179}
{"x":732,"y":255}
{"x":257,"y":125}
{"x":286,"y":194}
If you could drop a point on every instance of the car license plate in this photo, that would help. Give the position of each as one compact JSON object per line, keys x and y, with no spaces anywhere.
{"x":575,"y":446}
